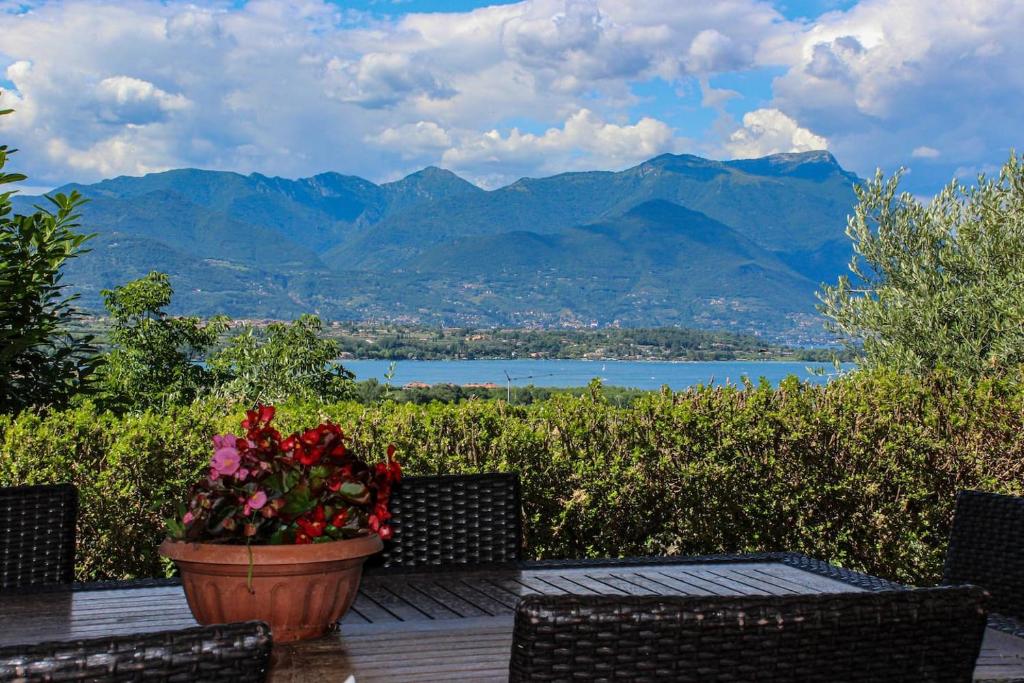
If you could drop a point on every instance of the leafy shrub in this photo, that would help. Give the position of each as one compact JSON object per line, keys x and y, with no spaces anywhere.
{"x":41,"y":362}
{"x":282,"y":361}
{"x":154,"y":359}
{"x":862,"y":472}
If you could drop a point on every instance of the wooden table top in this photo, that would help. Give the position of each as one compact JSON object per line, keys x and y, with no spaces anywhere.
{"x":431,"y":626}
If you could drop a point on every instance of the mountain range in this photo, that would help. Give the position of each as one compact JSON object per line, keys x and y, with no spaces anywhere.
{"x":676,"y":240}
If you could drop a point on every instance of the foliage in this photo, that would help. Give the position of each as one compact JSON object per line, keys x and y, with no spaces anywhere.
{"x":937,"y":286}
{"x":41,"y":362}
{"x":405,"y":342}
{"x":862,"y":472}
{"x":304,"y":488}
{"x":283,"y":361}
{"x":371,"y":391}
{"x":154,"y":357}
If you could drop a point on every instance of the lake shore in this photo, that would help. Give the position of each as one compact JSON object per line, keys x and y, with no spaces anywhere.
{"x":570,"y":373}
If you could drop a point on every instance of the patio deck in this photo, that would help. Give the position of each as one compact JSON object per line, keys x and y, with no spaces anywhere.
{"x":453,"y":625}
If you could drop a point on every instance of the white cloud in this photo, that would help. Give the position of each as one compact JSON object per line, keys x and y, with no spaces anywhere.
{"x":294,"y":87}
{"x":412,"y":139}
{"x":769,"y":131}
{"x":383,"y":80}
{"x":132,"y":100}
{"x":925,"y":152}
{"x":585,"y":141}
{"x":890,"y":76}
{"x":128,"y":153}
{"x":713,"y":51}
{"x":299,"y":86}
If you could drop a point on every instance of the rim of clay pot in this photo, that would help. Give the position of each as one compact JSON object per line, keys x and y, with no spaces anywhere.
{"x":218,"y":553}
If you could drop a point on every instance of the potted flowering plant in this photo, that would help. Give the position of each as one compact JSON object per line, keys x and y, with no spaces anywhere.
{"x":280,"y":527}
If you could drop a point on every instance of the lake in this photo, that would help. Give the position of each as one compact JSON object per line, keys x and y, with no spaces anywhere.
{"x":577,"y":373}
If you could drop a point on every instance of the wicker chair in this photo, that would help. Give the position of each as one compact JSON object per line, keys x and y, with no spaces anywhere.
{"x":454,"y":520}
{"x":932,"y":634}
{"x":986,"y":548}
{"x":227,"y":652}
{"x":37,"y":535}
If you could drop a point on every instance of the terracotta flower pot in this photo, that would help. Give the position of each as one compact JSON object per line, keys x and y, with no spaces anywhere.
{"x":300,"y":590}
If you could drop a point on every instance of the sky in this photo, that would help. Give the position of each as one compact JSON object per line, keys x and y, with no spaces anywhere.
{"x":495,"y":92}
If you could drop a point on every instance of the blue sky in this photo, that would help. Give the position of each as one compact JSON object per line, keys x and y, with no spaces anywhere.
{"x":497,"y":91}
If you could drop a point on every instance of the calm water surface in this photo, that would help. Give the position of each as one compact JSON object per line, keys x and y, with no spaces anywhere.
{"x":576,"y":373}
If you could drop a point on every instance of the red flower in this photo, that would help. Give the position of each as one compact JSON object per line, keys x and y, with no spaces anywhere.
{"x":313,"y":525}
{"x":311,"y":437}
{"x":271,"y":464}
{"x":308,"y":456}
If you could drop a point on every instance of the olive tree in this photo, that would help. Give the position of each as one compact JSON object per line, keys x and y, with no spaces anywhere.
{"x":938,"y":285}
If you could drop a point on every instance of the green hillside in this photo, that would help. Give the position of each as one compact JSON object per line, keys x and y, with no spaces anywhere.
{"x":677,"y":240}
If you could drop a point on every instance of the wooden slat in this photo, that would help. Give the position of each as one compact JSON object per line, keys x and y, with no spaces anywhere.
{"x":490,"y":601}
{"x":651,"y":584}
{"x":433,"y":607}
{"x":452,"y":626}
{"x":371,"y":611}
{"x":733,"y":577}
{"x":492,"y":590}
{"x":689,"y":585}
{"x":620,"y":585}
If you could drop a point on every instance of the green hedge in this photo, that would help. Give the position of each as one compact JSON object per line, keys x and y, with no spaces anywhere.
{"x":862,"y":472}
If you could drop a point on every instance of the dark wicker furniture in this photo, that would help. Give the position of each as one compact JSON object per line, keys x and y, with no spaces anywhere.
{"x":454,"y":520}
{"x":986,"y":548}
{"x":931,"y":634}
{"x":37,"y":535}
{"x":228,"y":652}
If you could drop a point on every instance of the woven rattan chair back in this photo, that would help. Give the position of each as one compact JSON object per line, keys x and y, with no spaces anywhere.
{"x":931,"y":635}
{"x":37,"y":535}
{"x":986,"y":548}
{"x":454,"y":520}
{"x":232,"y":653}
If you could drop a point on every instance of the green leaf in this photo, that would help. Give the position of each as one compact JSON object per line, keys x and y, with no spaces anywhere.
{"x":298,"y":501}
{"x":355,"y":492}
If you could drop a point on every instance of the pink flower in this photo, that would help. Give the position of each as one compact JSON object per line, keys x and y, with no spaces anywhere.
{"x":225,"y":441}
{"x":241,"y":474}
{"x":255,"y":502}
{"x":187,"y":519}
{"x":226,"y":460}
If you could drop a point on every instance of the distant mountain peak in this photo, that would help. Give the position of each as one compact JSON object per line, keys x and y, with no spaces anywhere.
{"x":668,"y":157}
{"x":432,"y":174}
{"x":814,"y":165}
{"x":430,"y":183}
